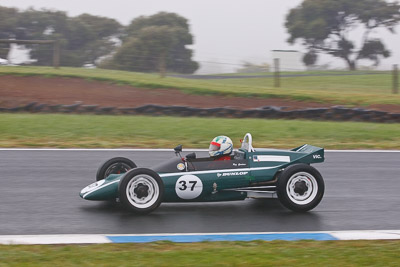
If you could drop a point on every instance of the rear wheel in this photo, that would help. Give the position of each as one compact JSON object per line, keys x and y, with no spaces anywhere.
{"x":116,"y":165}
{"x":300,"y":187}
{"x":141,"y":190}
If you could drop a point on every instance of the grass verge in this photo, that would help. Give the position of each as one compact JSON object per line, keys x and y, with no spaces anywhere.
{"x":256,"y":253}
{"x":349,"y":90}
{"x":90,"y":131}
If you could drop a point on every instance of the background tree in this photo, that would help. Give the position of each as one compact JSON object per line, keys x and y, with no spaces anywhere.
{"x":310,"y":58}
{"x":83,"y":39}
{"x":8,"y":28}
{"x":156,"y":43}
{"x":326,"y":25}
{"x":43,"y":25}
{"x":87,"y":38}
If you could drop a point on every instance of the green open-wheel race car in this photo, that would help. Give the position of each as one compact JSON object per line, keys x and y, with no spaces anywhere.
{"x":249,"y":173}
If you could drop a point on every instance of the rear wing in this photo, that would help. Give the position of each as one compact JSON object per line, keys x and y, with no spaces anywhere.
{"x":313,"y":154}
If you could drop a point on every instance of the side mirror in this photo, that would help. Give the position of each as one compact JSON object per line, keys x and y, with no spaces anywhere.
{"x":191,"y":156}
{"x":178,"y":149}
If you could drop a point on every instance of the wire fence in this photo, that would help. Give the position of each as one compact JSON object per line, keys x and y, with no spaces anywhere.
{"x":278,"y":70}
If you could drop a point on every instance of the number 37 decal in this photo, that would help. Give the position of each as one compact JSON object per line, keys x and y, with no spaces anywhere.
{"x":184,"y":186}
{"x":188,"y":187}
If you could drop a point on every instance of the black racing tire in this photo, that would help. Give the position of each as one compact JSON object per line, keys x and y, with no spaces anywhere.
{"x":141,"y":190}
{"x":300,"y":187}
{"x":116,"y":165}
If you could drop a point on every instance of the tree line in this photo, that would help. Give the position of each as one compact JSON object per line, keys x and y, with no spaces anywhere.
{"x":147,"y":44}
{"x":159,"y":42}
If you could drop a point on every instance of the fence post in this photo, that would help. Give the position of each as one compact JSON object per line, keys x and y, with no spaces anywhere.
{"x":395,"y":89}
{"x":277,"y":73}
{"x":162,"y":64}
{"x":56,"y":54}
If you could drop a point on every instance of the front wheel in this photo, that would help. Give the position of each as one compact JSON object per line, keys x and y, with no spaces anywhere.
{"x":141,"y":190}
{"x":116,"y":165}
{"x":300,"y":187}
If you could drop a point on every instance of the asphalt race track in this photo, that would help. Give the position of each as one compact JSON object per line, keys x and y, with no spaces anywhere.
{"x":39,"y":195}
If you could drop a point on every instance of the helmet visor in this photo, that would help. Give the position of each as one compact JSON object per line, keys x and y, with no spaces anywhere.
{"x":214,"y":146}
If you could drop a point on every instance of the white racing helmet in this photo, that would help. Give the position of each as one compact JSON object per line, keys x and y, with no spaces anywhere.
{"x":220,"y":145}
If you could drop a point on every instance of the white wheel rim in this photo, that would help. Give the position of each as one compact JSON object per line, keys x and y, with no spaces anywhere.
{"x":308,"y":195}
{"x":139,"y":201}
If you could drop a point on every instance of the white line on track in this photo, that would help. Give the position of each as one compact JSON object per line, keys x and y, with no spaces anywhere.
{"x":198,"y":237}
{"x":171,"y":150}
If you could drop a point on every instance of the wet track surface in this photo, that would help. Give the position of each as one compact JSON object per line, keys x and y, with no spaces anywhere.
{"x":39,"y":195}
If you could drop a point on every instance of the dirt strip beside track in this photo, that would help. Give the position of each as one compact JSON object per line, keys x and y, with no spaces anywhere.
{"x":16,"y":91}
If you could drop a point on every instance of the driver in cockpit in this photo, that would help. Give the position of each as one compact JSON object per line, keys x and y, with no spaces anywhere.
{"x":221,"y":148}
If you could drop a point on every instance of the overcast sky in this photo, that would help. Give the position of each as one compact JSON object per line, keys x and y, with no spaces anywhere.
{"x":225,"y":31}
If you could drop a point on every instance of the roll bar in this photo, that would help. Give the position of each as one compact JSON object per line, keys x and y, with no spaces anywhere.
{"x":247,"y":143}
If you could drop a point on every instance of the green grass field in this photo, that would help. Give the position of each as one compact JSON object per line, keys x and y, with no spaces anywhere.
{"x":378,"y":83}
{"x":256,"y":253}
{"x":345,"y":90}
{"x":95,"y":131}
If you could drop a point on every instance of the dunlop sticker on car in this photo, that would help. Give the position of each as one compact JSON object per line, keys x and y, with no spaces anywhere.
{"x":231,"y":174}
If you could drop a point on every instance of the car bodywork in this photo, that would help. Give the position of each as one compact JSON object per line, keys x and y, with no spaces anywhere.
{"x":250,"y":173}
